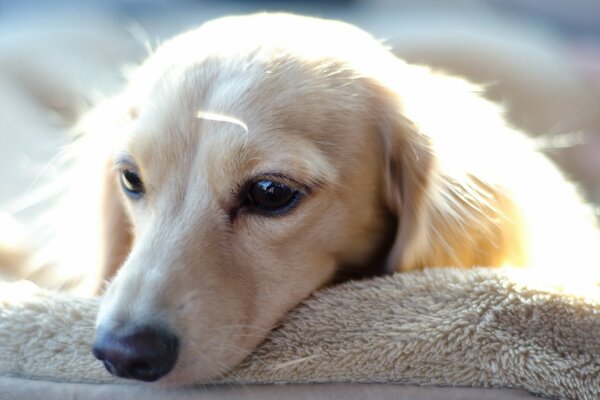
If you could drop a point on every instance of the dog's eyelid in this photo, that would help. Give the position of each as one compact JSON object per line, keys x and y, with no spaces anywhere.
{"x":124,"y":160}
{"x":296,"y":184}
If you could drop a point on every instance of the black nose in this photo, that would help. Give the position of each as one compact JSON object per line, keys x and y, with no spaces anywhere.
{"x":146,"y":353}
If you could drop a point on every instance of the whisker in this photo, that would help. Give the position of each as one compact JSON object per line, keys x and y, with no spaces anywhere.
{"x":62,"y":151}
{"x":254,"y":328}
{"x":294,"y":362}
{"x":72,"y":331}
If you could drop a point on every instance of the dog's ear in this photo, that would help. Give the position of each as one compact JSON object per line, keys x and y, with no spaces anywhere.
{"x":116,"y":235}
{"x":102,"y":129}
{"x":408,"y":165}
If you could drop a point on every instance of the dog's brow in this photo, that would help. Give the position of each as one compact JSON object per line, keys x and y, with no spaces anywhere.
{"x":123,"y":157}
{"x":222,"y":118}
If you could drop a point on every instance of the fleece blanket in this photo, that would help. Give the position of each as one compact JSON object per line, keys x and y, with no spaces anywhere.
{"x":477,"y":328}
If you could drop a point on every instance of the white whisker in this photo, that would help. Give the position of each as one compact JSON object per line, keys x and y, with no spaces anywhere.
{"x":294,"y":362}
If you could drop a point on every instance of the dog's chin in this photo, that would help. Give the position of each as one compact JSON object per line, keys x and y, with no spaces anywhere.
{"x":185,"y":374}
{"x":206,"y":367}
{"x":181,"y":377}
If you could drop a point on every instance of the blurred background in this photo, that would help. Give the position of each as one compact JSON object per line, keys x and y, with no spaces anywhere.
{"x":539,"y":58}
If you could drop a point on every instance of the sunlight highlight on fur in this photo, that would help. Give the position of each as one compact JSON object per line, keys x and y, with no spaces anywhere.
{"x":222,"y":118}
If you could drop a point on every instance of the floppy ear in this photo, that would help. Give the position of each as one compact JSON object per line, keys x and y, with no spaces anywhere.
{"x":115,"y":225}
{"x":445,"y":216}
{"x":407,"y":178}
{"x":104,"y":127}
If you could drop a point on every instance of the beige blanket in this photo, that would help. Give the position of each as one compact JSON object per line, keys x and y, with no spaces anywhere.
{"x":476,"y":328}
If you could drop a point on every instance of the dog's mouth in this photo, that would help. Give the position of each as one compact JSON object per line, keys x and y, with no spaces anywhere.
{"x":145,"y":353}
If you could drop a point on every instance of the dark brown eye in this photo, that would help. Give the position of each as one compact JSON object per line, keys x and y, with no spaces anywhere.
{"x":272,"y":196}
{"x":132,"y":183}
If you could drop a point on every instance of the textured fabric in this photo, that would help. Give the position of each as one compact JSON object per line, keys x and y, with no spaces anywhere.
{"x":20,"y":389}
{"x":475,"y":328}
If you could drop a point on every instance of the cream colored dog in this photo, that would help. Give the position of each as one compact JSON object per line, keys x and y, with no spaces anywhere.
{"x":258,"y":158}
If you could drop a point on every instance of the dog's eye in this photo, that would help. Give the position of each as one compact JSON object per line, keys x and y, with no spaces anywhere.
{"x":132,"y":183}
{"x":272,"y":196}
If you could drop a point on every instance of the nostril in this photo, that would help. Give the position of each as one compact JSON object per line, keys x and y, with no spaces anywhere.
{"x":146,"y":353}
{"x":140,"y":367}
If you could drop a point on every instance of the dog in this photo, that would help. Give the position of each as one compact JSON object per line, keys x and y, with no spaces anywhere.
{"x":258,"y":158}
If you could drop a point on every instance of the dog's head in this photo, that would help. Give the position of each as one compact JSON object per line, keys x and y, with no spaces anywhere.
{"x":257,"y":159}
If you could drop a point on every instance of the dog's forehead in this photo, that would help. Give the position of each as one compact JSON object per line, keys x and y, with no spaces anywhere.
{"x":271,"y":74}
{"x":224,"y":118}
